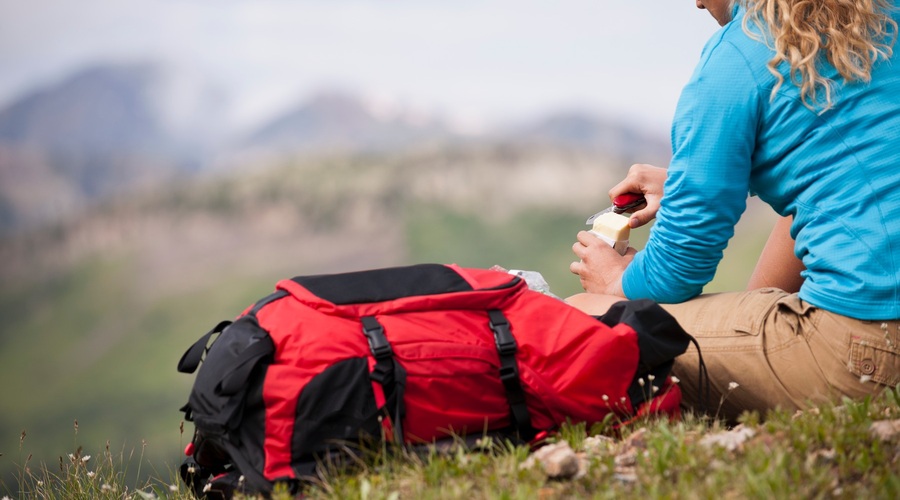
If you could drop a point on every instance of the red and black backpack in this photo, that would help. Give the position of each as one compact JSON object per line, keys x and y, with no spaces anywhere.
{"x":413,"y":355}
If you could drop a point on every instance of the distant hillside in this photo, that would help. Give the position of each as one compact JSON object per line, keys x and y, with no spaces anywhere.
{"x":580,"y":130}
{"x":363,"y":193}
{"x":114,"y":128}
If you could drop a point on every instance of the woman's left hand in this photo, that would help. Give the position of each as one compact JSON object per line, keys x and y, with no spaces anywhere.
{"x":600,"y":267}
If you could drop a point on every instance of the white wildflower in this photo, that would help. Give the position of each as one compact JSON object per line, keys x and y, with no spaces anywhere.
{"x":207,"y":487}
{"x":675,"y":379}
{"x":733,"y":385}
{"x":173,"y":488}
{"x":91,"y":474}
{"x":105,"y":487}
{"x":651,"y":377}
{"x":655,"y":389}
{"x":641,"y":381}
{"x":85,"y":459}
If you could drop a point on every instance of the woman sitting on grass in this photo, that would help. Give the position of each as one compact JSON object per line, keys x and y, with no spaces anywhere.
{"x":797,"y":102}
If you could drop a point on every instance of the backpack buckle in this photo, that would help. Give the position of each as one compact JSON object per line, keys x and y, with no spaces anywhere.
{"x":503,"y":337}
{"x":378,"y":342}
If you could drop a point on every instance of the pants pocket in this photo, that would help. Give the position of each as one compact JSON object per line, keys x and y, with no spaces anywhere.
{"x":875,"y":360}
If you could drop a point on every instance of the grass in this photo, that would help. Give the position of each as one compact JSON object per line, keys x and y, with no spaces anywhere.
{"x":82,"y":475}
{"x":826,"y":452}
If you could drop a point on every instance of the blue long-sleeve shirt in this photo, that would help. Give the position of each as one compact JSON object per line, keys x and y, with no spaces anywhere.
{"x":837,"y":173}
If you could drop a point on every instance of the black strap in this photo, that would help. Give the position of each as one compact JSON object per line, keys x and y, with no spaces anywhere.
{"x":272,"y":297}
{"x":191,"y":358}
{"x":703,"y":380}
{"x":387,"y":372}
{"x":509,"y":374}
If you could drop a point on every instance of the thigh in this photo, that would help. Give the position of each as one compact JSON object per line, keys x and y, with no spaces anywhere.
{"x":728,"y":329}
{"x":763,"y":349}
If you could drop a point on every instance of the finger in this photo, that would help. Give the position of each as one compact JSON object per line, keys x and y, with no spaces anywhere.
{"x":576,"y":267}
{"x":633,"y":181}
{"x":627,"y":185}
{"x":586,"y":237}
{"x":646,"y":214}
{"x":639,"y":218}
{"x":579,"y":250}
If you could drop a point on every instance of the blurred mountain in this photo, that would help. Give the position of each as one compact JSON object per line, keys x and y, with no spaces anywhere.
{"x":584,"y":131}
{"x":339,"y":121}
{"x":109,"y":130}
{"x":103,"y":129}
{"x":98,"y":110}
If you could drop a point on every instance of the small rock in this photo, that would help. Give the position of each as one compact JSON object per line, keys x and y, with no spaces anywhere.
{"x":636,"y":439}
{"x":628,"y":458}
{"x":558,"y":460}
{"x":732,"y":440}
{"x":885,"y":430}
{"x":626,"y":474}
{"x":584,"y":464}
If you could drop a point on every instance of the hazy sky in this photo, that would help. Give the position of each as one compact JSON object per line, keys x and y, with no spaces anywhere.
{"x":476,"y":60}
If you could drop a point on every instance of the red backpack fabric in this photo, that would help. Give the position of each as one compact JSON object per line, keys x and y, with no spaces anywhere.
{"x":416,"y":354}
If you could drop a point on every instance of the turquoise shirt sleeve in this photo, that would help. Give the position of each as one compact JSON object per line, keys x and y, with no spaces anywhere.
{"x":713,"y":137}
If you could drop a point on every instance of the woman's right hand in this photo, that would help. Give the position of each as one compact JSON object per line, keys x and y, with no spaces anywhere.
{"x":647,"y":180}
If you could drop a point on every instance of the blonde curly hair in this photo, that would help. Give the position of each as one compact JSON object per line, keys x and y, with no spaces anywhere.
{"x":851,"y":34}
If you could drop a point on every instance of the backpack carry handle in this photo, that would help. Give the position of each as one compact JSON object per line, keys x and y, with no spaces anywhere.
{"x":191,"y":358}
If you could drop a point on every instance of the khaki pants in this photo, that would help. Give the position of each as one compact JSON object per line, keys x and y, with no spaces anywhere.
{"x":767,"y":348}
